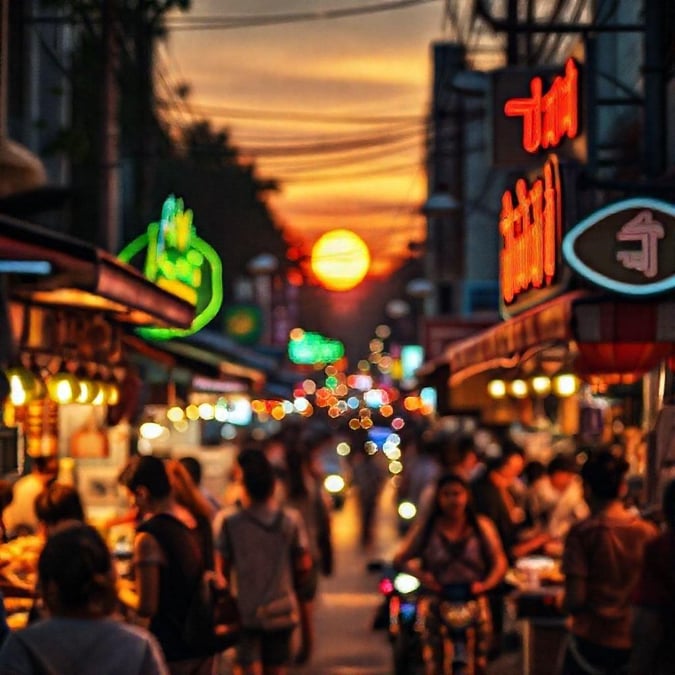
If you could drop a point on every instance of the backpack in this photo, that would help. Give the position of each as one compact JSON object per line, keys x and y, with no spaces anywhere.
{"x":212,"y":623}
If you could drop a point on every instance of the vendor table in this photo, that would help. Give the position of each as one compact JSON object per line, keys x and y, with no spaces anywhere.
{"x":544,"y":629}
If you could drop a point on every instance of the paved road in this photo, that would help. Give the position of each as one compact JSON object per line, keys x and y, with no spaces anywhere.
{"x":346,"y":645}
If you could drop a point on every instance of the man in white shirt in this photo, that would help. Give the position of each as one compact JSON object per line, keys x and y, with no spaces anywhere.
{"x":19,"y":517}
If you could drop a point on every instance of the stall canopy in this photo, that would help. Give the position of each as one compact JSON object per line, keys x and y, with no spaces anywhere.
{"x":57,"y":270}
{"x":612,"y":336}
{"x":230,"y":360}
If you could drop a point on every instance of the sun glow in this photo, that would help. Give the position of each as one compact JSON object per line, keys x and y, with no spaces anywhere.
{"x":340,"y":260}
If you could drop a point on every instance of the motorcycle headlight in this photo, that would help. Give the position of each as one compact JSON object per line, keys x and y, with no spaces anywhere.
{"x":406,"y":583}
{"x":407,"y":510}
{"x":334,"y":483}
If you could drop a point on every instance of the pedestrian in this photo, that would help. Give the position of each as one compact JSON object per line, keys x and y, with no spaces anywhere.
{"x":653,"y":627}
{"x":19,"y":516}
{"x":265,"y":557}
{"x":454,"y":546}
{"x":367,"y":478}
{"x":194,"y":468}
{"x":305,"y":493}
{"x":77,"y":582}
{"x":168,"y":563}
{"x":495,"y":497}
{"x":602,"y":559}
{"x":570,"y":506}
{"x":6,"y":496}
{"x":187,"y":494}
{"x":57,"y":507}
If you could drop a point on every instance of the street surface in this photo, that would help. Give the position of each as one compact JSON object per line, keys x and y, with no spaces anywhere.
{"x":345,"y":642}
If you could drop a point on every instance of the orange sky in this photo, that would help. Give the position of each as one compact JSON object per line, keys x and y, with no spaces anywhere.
{"x":357,"y":84}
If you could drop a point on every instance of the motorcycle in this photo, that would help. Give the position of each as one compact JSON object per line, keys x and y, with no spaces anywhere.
{"x":415,"y":617}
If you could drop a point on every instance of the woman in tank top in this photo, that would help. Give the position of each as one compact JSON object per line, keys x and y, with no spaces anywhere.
{"x":454,"y":546}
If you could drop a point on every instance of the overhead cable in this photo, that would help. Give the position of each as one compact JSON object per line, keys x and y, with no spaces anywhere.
{"x":247,"y":21}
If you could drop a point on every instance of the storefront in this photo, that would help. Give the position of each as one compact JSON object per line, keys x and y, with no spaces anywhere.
{"x":610,"y":327}
{"x":65,"y":307}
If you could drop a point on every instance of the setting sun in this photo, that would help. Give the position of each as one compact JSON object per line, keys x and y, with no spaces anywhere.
{"x":340,"y":260}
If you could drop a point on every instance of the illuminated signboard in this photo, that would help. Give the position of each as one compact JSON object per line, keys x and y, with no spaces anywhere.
{"x":530,"y":225}
{"x":177,"y":260}
{"x":243,"y":323}
{"x":548,"y":117}
{"x":627,"y":247}
{"x":310,"y":348}
{"x":536,"y":111}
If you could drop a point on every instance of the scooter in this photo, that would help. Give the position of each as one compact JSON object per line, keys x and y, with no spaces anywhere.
{"x":399,"y":617}
{"x":414,"y":616}
{"x":459,"y":616}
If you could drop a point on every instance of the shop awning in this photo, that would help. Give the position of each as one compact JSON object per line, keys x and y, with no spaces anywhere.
{"x":506,"y":343}
{"x":612,"y":335}
{"x":54,"y":269}
{"x":20,"y":169}
{"x":230,"y":359}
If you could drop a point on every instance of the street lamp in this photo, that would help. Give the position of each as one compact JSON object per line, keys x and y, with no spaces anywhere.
{"x":262,"y":268}
{"x":440,"y":203}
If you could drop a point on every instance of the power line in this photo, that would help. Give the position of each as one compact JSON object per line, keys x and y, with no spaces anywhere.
{"x":364,"y":157}
{"x":231,"y":22}
{"x":318,"y":177}
{"x":301,"y":116}
{"x":327,"y":148}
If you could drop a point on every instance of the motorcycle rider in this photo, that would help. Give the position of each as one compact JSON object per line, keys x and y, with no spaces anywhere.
{"x":453,"y":546}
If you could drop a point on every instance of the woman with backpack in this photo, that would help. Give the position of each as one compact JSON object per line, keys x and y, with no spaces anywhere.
{"x":453,"y":546}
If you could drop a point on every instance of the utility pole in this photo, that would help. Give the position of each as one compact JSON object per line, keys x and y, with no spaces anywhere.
{"x":4,"y":17}
{"x":109,"y":232}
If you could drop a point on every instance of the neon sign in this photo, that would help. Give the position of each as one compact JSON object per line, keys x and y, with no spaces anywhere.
{"x":531,"y":230}
{"x":179,"y":261}
{"x":549,"y":117}
{"x":626,"y":247}
{"x":310,"y":348}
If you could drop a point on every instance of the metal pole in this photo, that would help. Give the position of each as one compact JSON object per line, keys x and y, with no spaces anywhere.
{"x":655,"y":122}
{"x":4,"y":50}
{"x":109,"y":189}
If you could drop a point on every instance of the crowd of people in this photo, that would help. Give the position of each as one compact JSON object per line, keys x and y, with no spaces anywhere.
{"x":486,"y":512}
{"x":268,"y":539}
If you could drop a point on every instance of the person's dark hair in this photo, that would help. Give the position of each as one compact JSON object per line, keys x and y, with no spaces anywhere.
{"x":295,"y":478}
{"x":562,"y":462}
{"x":58,"y":502}
{"x":465,"y":446}
{"x":509,"y":449}
{"x":6,"y":494}
{"x":46,"y":464}
{"x":194,"y":468}
{"x":669,"y":504}
{"x":258,"y":474}
{"x":603,"y":473}
{"x":148,"y":472}
{"x":76,"y":573}
{"x":534,"y":470}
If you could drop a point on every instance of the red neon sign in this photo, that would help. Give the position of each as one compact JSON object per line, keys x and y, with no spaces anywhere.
{"x":531,"y":230}
{"x":549,"y":117}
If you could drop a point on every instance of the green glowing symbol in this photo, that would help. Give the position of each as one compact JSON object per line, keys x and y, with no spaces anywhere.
{"x":177,"y":260}
{"x":313,"y":348}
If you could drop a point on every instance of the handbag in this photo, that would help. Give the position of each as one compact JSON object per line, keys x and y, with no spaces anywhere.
{"x":282,"y":612}
{"x":212,"y":623}
{"x":279,"y":614}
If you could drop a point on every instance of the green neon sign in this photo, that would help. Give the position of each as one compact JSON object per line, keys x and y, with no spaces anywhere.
{"x":314,"y":348}
{"x":177,"y":260}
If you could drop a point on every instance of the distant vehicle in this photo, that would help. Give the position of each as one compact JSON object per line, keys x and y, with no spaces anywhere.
{"x":336,"y":474}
